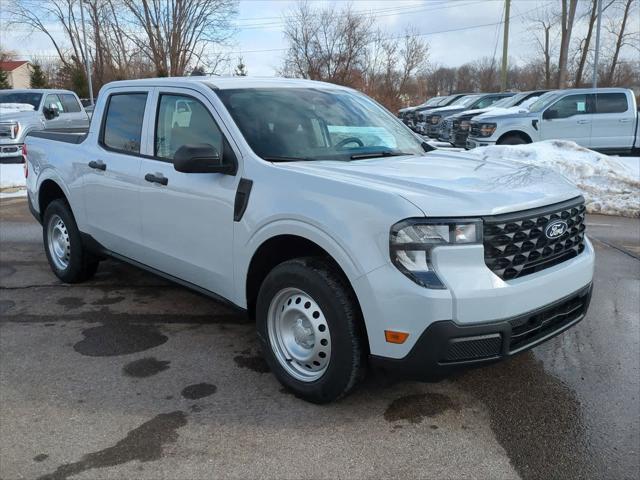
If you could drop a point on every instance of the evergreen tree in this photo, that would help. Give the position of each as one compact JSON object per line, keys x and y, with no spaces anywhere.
{"x":241,"y":69}
{"x":4,"y":80}
{"x":38,"y":78}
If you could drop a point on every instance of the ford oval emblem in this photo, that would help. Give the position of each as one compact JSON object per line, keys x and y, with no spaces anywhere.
{"x":556,"y":229}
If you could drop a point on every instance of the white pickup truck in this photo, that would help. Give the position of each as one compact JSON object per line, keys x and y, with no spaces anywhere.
{"x":319,"y":213}
{"x":603,"y":119}
{"x":25,"y":111}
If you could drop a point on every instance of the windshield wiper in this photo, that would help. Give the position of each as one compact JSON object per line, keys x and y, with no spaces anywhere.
{"x":382,"y":153}
{"x":285,"y":159}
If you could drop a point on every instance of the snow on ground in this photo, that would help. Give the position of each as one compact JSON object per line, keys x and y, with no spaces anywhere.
{"x":11,"y":175}
{"x":610,"y":185}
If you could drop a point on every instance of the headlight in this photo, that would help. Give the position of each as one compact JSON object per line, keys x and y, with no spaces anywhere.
{"x":435,"y":119}
{"x":464,"y":125}
{"x":411,"y":242}
{"x":487,"y":129}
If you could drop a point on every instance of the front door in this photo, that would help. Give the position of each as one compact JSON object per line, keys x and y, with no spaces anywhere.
{"x":187,"y":218}
{"x":568,"y":119}
{"x":77,"y":119}
{"x":59,"y":123}
{"x":112,"y":179}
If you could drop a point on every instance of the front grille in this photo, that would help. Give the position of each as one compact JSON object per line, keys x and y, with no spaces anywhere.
{"x":531,"y":328}
{"x":5,"y":130}
{"x":515,"y":244}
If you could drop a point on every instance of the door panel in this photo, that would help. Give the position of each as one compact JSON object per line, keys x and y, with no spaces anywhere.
{"x":568,"y":119}
{"x":59,"y":123}
{"x":187,"y":224}
{"x":613,"y":122}
{"x":112,"y":180}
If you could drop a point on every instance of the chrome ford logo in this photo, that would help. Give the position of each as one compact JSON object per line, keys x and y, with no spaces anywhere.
{"x":556,"y":229}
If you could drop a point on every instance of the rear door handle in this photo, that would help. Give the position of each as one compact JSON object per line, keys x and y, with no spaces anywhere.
{"x":624,"y":120}
{"x":161,"y":179}
{"x":99,"y":165}
{"x":582,"y":122}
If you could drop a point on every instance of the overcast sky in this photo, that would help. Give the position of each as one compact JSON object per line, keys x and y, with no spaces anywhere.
{"x":457,"y":31}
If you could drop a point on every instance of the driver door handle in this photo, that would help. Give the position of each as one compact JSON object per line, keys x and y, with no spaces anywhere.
{"x":161,"y":179}
{"x":98,"y":165}
{"x":582,"y":122}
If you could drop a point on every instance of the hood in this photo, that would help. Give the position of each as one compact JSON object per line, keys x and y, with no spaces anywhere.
{"x":9,"y":115}
{"x":451,"y":184}
{"x":505,"y":113}
{"x":471,"y":113}
{"x":450,"y":108}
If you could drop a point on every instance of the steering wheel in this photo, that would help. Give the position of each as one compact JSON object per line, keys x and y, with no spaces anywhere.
{"x":349,"y":140}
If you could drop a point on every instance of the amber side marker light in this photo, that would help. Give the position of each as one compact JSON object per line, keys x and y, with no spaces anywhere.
{"x":395,"y":337}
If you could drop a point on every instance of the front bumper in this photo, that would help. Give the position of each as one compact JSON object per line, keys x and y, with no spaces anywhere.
{"x":476,"y":142}
{"x":432,"y":131}
{"x":446,"y":346}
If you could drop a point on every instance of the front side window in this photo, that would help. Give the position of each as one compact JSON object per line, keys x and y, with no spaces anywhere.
{"x":122,"y":129}
{"x":53,"y":101}
{"x":183,"y":120}
{"x":69,"y":102}
{"x":570,"y":105}
{"x":611,"y":103}
{"x":287,"y":124}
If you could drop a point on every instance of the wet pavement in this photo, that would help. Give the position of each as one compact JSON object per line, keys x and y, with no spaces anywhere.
{"x":129,"y":376}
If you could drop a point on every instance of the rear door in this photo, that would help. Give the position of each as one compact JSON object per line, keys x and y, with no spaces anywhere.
{"x":187,"y":218}
{"x":77,"y":119}
{"x":112,"y":177}
{"x":568,"y":119}
{"x":613,"y":122}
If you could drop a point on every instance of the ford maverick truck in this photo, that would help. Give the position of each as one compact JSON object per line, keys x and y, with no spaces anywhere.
{"x":350,"y":241}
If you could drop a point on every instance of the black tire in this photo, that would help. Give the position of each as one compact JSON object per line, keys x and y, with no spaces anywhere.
{"x":81,"y":264}
{"x":512,"y":140}
{"x":318,"y":278}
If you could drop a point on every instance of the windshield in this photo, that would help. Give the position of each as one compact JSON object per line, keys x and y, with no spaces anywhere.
{"x":28,"y":98}
{"x":466,"y":101}
{"x":543,"y":101}
{"x":289,"y":124}
{"x":510,"y":101}
{"x":433,"y":101}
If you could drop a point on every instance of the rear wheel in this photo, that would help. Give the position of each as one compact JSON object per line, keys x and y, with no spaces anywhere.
{"x":309,"y":324}
{"x":512,"y":140}
{"x":68,"y":258}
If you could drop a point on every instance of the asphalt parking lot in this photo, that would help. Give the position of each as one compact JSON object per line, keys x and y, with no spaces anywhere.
{"x":129,"y":376}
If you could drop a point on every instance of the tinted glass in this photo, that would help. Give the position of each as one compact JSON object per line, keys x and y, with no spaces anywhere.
{"x":570,"y":105}
{"x":487,"y":101}
{"x":181,"y":121}
{"x":316,"y":124}
{"x":69,"y":102}
{"x":32,"y":99}
{"x":611,"y":103}
{"x":54,"y":100}
{"x":123,"y":122}
{"x":544,"y":100}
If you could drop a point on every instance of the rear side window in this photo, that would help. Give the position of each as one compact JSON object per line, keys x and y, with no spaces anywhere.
{"x":611,"y":103}
{"x":69,"y":103}
{"x":122,"y":129}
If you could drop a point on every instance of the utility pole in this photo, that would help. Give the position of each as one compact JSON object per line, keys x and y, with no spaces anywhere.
{"x":86,"y":52}
{"x":505,"y":45}
{"x":597,"y":53}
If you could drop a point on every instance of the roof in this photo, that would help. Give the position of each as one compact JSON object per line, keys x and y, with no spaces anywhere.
{"x":225,"y":83}
{"x":11,"y":65}
{"x":37,"y":90}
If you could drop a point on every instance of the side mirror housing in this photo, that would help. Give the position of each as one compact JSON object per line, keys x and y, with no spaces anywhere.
{"x":201,"y":158}
{"x":550,"y":114}
{"x":50,"y":112}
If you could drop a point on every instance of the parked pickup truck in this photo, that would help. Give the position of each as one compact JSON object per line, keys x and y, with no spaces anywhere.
{"x":321,"y":215}
{"x":25,"y":111}
{"x":431,"y":123}
{"x":415,"y":113}
{"x":455,"y":128}
{"x":406,"y":114}
{"x":604,"y":119}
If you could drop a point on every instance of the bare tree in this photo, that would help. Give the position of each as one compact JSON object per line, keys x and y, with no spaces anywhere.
{"x":567,"y":17}
{"x":622,"y":36}
{"x":542,"y":27}
{"x":585,"y":43}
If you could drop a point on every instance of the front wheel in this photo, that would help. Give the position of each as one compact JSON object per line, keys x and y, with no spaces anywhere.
{"x":309,"y":324}
{"x":512,"y":140}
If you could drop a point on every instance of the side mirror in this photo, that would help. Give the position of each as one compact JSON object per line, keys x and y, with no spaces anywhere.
{"x":50,"y":112}
{"x":550,"y":114}
{"x":201,"y":158}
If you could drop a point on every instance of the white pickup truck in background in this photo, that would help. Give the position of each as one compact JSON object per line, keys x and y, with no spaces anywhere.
{"x":311,"y":207}
{"x":30,"y":110}
{"x":603,"y":119}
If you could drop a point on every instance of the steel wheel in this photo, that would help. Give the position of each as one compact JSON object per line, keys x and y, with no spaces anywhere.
{"x":58,"y":243}
{"x":299,"y":334}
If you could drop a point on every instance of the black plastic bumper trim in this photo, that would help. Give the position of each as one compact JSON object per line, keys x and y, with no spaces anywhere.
{"x":427,"y":360}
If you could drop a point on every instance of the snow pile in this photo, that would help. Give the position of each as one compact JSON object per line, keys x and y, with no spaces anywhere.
{"x":609,"y":186}
{"x":11,"y":176}
{"x":15,"y":107}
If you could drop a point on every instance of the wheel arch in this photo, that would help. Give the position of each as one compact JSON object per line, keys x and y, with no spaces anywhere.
{"x":515,"y":133}
{"x":49,"y":191}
